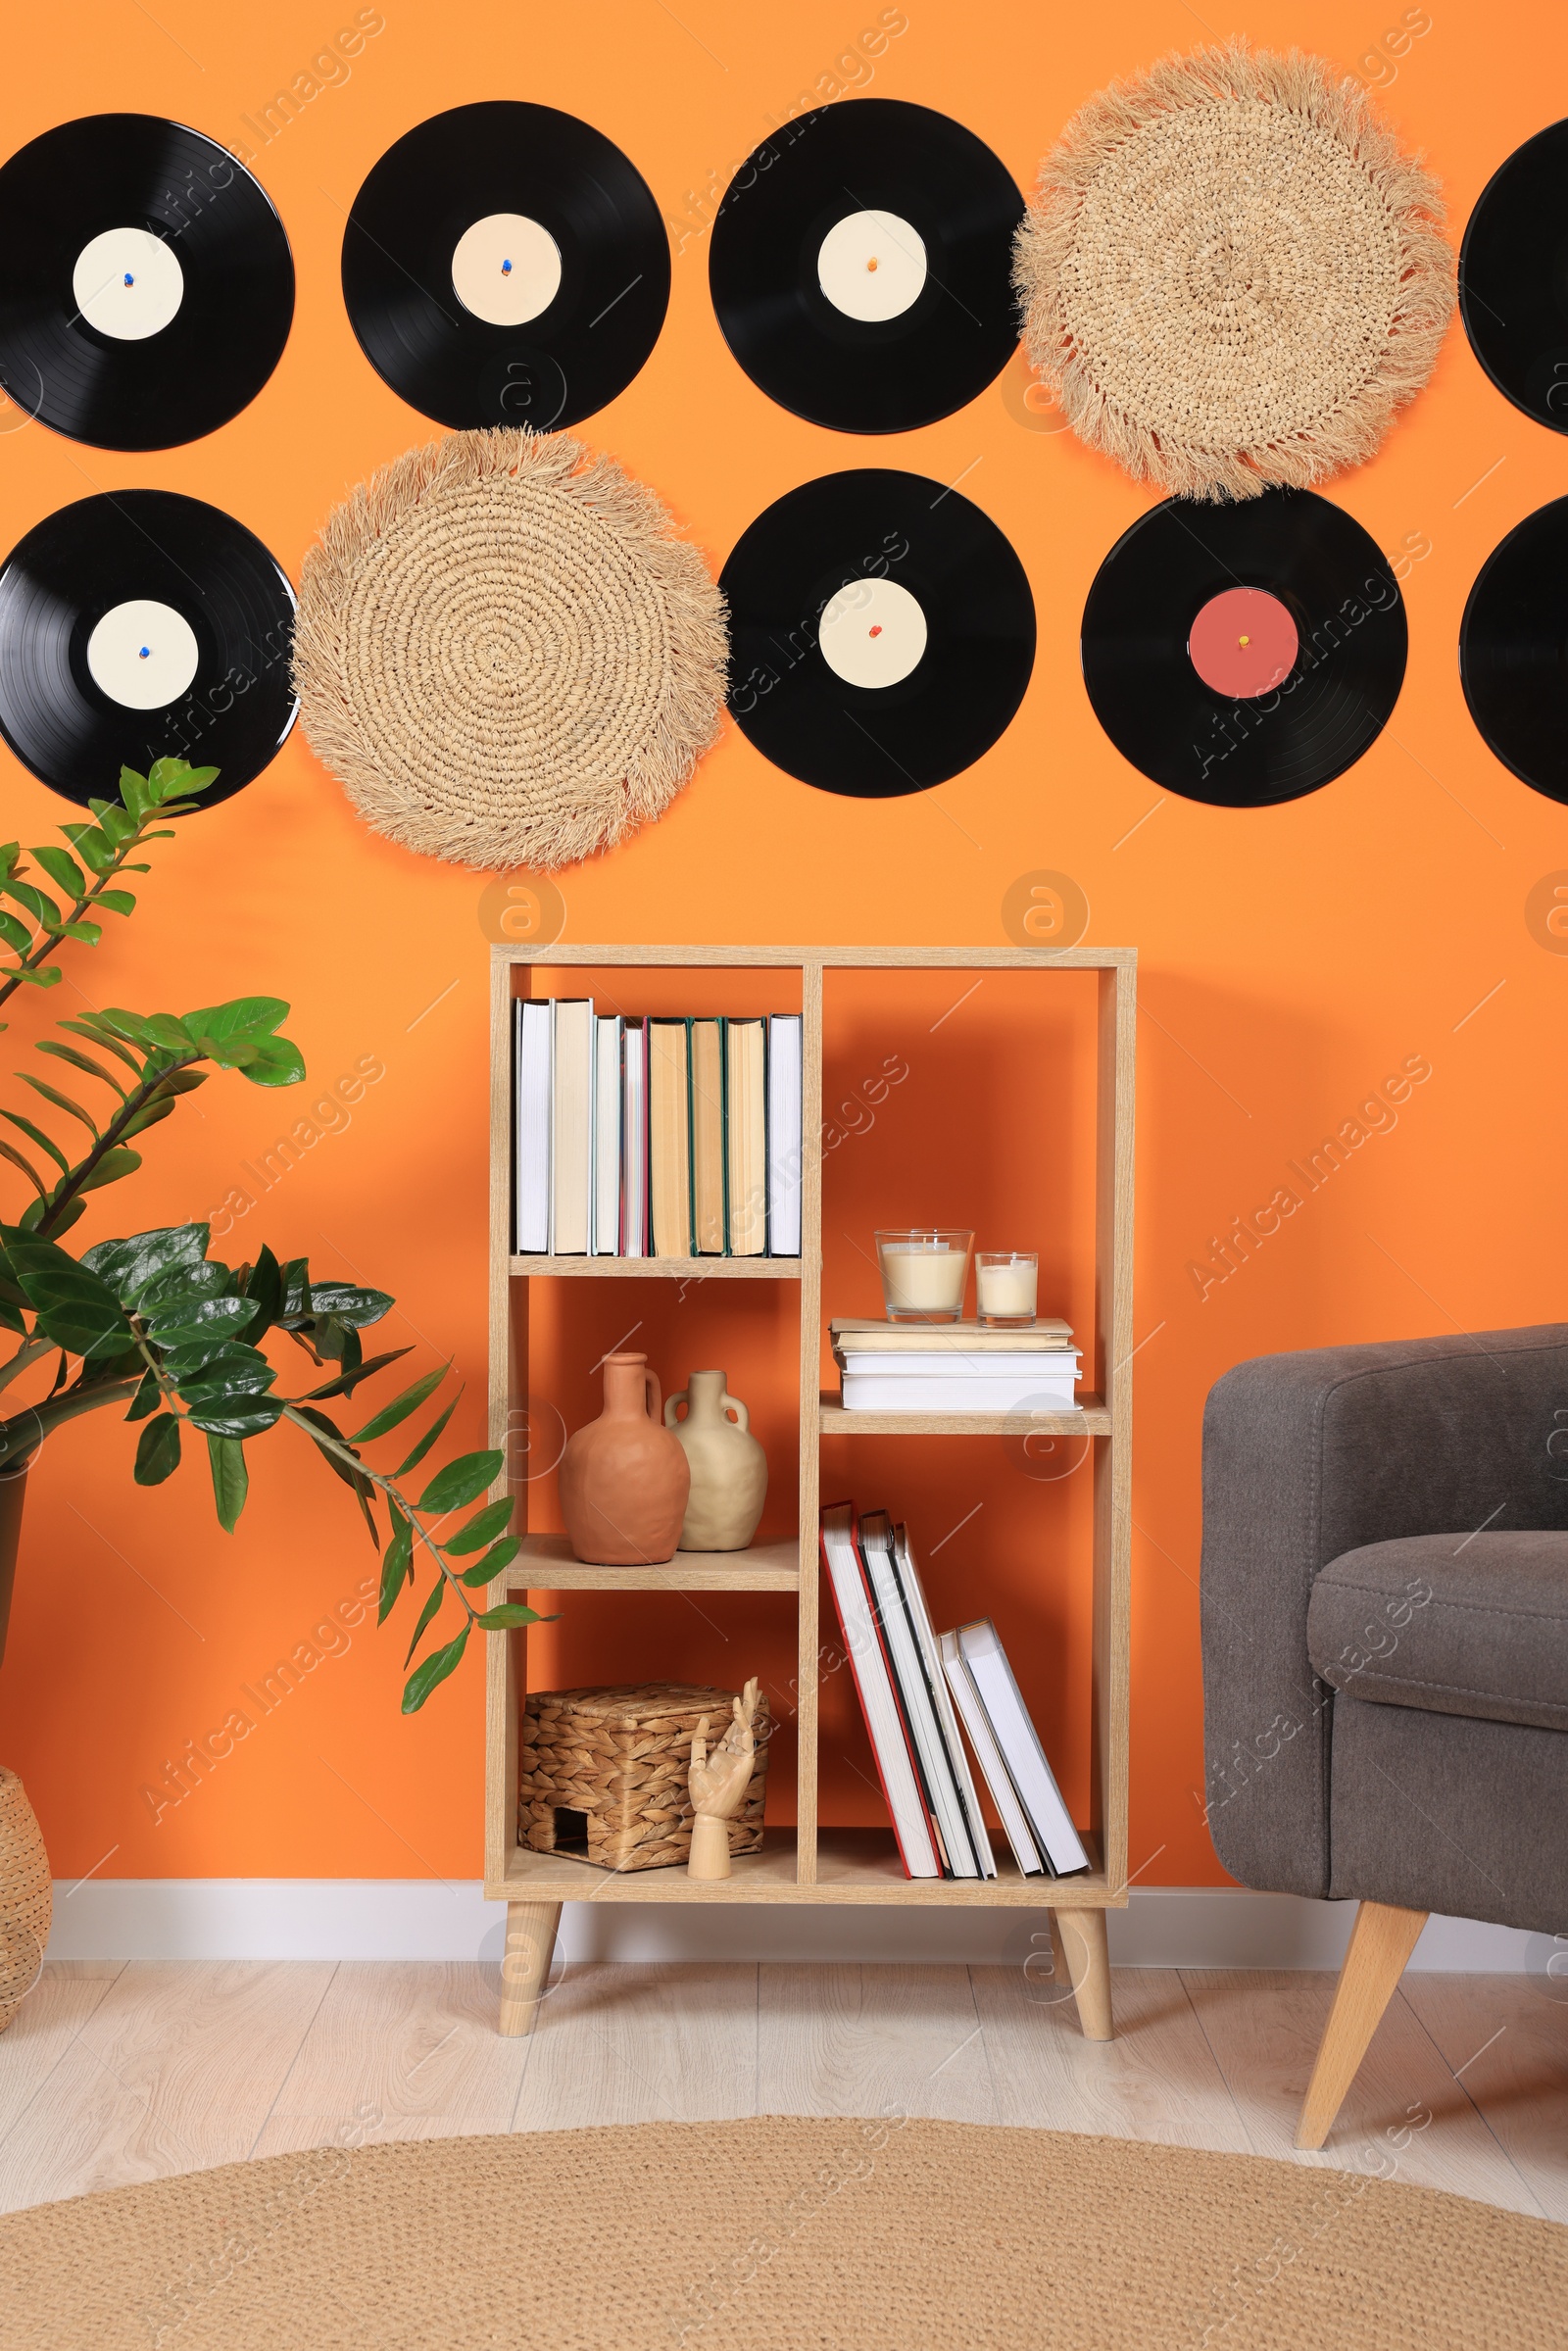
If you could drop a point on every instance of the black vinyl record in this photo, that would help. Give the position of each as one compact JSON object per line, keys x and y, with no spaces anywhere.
{"x":559,"y":248}
{"x":862,"y":266}
{"x":1513,"y":277}
{"x":1513,"y":650}
{"x":141,"y":625}
{"x":147,"y":287}
{"x":882,"y":633}
{"x":1297,"y":623}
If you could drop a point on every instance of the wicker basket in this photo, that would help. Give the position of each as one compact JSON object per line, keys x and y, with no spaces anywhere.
{"x":26,"y":1897}
{"x":618,"y":1759}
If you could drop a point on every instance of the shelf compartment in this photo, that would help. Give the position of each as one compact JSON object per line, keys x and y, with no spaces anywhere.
{"x":1091,"y":1418}
{"x":661,"y":1270}
{"x":545,"y":1564}
{"x":853,"y":1865}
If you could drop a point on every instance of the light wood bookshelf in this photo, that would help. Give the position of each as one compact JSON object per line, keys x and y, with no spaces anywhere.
{"x":811,"y":1862}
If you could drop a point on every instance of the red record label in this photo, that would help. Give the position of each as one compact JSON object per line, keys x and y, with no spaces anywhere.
{"x":1243,"y":643}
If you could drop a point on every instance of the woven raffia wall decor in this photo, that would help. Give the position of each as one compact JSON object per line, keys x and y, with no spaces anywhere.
{"x":621,"y":1757}
{"x":1231,"y":277}
{"x":503,"y":652}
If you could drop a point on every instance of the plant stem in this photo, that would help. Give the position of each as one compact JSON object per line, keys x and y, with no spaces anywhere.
{"x":28,"y":1428}
{"x":11,"y":980}
{"x":137,"y":1100}
{"x":388,"y":1487}
{"x":31,"y":1347}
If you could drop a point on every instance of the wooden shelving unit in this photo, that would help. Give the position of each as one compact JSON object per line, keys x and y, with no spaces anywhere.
{"x":811,"y":1863}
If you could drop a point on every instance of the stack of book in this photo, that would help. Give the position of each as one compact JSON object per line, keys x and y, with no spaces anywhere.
{"x":655,"y":1138}
{"x":955,"y":1367}
{"x":915,"y":1685}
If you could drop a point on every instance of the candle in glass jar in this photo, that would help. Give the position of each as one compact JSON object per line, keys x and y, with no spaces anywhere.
{"x":926,"y":1281}
{"x":1005,"y":1286}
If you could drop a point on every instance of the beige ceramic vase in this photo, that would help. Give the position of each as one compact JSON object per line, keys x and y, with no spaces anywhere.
{"x":623,"y":1478}
{"x":729,"y":1468}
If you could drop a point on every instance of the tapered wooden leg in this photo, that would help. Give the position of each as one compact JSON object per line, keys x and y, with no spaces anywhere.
{"x":530,"y":1941}
{"x":1381,"y":1942}
{"x":1080,"y":1937}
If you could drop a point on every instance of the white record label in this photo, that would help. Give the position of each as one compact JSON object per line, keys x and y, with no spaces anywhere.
{"x":127,"y":284}
{"x":872,"y":266}
{"x":143,"y":655}
{"x":506,"y":268}
{"x":872,"y":633}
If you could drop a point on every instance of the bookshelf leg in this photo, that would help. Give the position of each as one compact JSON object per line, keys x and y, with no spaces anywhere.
{"x":1081,"y":1934}
{"x":530,"y":1941}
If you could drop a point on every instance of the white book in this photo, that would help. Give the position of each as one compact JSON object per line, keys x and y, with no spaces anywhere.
{"x":1051,"y":1370}
{"x":1019,"y":1741}
{"x":876,"y":1542}
{"x":634,"y":1144}
{"x":988,"y":1755}
{"x":532,"y":1045}
{"x":608,"y":1029}
{"x":915,"y":1601}
{"x":877,"y":1391}
{"x":784,"y":1135}
{"x":905,"y":1802}
{"x":571,"y":1154}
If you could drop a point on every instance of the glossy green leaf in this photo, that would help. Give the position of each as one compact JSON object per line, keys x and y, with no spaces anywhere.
{"x":117,"y":823}
{"x":38,"y":903}
{"x":226,"y":1457}
{"x":114,"y":1164}
{"x":62,"y":868}
{"x":83,"y":1061}
{"x":98,"y":1033}
{"x":211,"y":1278}
{"x":157,"y":1451}
{"x":171,"y":779}
{"x":481,"y":1529}
{"x":218,"y":1367}
{"x":163,"y":1029}
{"x":115,"y":902}
{"x":434,"y":1669}
{"x":500,"y":1554}
{"x":428,"y":1439}
{"x":37,"y":1134}
{"x":146,"y":1399}
{"x":61,"y":1220}
{"x":190,"y":1322}
{"x":263,"y":1286}
{"x":396,"y":1565}
{"x":237,"y":1415}
{"x":253,"y":1016}
{"x":462,"y":1481}
{"x":355,"y":1480}
{"x":341,"y":1303}
{"x":132,"y":1265}
{"x":9,"y":1151}
{"x":347,"y":1380}
{"x":15,"y":933}
{"x":92,"y":844}
{"x":61,"y":1102}
{"x":75,"y":1307}
{"x":12,"y":1318}
{"x":47,"y":975}
{"x":431,"y":1609}
{"x":408,"y":1400}
{"x":149,"y":1115}
{"x":506,"y":1614}
{"x":274,"y":1062}
{"x":126,"y":1024}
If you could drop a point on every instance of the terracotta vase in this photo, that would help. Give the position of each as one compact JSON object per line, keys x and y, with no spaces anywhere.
{"x":624,"y":1479}
{"x":729,"y":1468}
{"x":26,"y":1899}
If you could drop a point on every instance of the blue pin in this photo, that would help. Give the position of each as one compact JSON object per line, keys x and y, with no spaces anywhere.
{"x":506,"y":268}
{"x":129,"y":281}
{"x":145,"y":652}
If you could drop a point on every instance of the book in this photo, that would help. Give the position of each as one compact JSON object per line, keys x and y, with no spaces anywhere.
{"x":1026,"y":1758}
{"x":634,"y":1141}
{"x":936,"y":1770}
{"x":608,"y":1032}
{"x":966,"y":1698}
{"x":1018,"y":1391}
{"x":784,"y":1135}
{"x":532,"y":1043}
{"x":572,"y":1127}
{"x":1061,"y":1363}
{"x":670,"y":1142}
{"x":862,"y":1336}
{"x":709,"y":1221}
{"x":746,"y":1135}
{"x":912,"y":1592}
{"x":901,"y":1787}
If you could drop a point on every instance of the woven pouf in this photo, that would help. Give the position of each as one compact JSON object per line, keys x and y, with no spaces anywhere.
{"x":26,"y":1899}
{"x":505,"y":653}
{"x":1231,"y":277}
{"x":620,"y":1757}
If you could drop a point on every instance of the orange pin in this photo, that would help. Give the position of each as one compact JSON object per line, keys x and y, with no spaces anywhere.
{"x":876,"y":628}
{"x":871,"y":264}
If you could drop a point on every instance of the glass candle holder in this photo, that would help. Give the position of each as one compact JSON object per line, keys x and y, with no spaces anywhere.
{"x":1006,"y":1285}
{"x":925,"y":1272}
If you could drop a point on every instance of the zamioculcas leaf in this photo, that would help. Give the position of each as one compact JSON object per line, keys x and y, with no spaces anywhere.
{"x":240,"y":1415}
{"x":226,"y":1457}
{"x":435,"y":1668}
{"x":347,"y":1380}
{"x":401,"y":1405}
{"x":187,"y":1322}
{"x":253,"y":1016}
{"x":75,"y":1307}
{"x":157,"y":1451}
{"x":462,"y":1482}
{"x":59,"y":1221}
{"x":508,"y":1613}
{"x":83,"y":1061}
{"x":15,"y":933}
{"x":40,"y":907}
{"x":264,"y":1287}
{"x":396,"y":1565}
{"x":37,"y":1134}
{"x":8,"y":1152}
{"x":210,"y":1279}
{"x":481,"y":1528}
{"x":62,"y":869}
{"x":500,"y":1554}
{"x":131,"y":1266}
{"x":338,"y":1301}
{"x":437,"y":1593}
{"x":97,"y":1033}
{"x":428,"y":1439}
{"x":110,"y":1168}
{"x":115,"y":902}
{"x":61,"y":1102}
{"x":145,"y":1400}
{"x":274,"y":1062}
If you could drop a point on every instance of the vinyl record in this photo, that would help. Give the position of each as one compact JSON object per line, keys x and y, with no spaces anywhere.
{"x":147,"y":287}
{"x":1513,"y":650}
{"x":882,"y":633}
{"x":1513,"y":277}
{"x":862,"y":266}
{"x":143,"y":625}
{"x":1244,"y":655}
{"x":504,"y":264}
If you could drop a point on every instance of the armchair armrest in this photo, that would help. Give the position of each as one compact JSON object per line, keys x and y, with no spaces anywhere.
{"x":1308,"y":1455}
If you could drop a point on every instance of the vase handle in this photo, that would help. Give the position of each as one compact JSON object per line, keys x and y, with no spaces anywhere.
{"x":650,"y":1393}
{"x":670,"y":1401}
{"x":732,"y":1403}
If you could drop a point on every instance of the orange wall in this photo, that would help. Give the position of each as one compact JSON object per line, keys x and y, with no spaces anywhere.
{"x":1291,"y":957}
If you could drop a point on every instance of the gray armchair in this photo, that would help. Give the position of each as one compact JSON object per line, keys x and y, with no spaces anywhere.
{"x":1384,"y":1626}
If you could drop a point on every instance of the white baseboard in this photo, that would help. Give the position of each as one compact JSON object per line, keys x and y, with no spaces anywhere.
{"x":374,"y":1918}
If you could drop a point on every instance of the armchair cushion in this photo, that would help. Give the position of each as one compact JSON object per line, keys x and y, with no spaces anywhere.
{"x":1454,"y":1624}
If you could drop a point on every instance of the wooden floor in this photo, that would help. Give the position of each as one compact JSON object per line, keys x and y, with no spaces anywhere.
{"x":116,"y":2074}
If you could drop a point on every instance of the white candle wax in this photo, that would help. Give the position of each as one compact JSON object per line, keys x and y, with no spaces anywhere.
{"x":926,"y":1281}
{"x":1007,"y":1289}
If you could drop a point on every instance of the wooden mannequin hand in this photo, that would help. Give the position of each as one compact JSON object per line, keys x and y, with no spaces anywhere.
{"x":718,"y":1782}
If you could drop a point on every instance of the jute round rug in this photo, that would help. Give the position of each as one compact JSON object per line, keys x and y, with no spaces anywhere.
{"x":1230,"y":274}
{"x":779,"y":2235}
{"x":504,"y":653}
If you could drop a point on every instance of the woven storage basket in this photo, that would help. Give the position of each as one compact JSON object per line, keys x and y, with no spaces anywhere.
{"x":620,"y":1757}
{"x":27,"y":1900}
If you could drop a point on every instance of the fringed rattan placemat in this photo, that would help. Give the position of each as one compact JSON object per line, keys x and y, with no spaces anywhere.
{"x":1230,"y":274}
{"x":503,"y":652}
{"x":779,"y":2235}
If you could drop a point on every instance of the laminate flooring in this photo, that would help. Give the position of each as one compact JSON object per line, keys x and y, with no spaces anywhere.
{"x":116,"y":2074}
